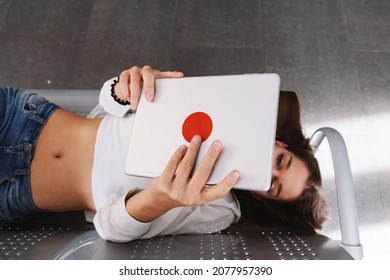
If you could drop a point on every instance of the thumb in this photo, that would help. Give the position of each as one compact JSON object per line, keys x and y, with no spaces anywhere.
{"x":222,"y":188}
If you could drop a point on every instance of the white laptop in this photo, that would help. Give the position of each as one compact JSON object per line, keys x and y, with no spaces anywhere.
{"x":239,"y":110}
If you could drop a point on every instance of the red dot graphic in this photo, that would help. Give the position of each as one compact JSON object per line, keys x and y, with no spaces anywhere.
{"x":197,"y":123}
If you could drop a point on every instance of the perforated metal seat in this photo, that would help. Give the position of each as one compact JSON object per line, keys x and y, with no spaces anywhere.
{"x":231,"y":244}
{"x":43,"y":238}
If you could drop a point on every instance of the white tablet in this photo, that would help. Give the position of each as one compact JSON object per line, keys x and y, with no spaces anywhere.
{"x":239,"y":110}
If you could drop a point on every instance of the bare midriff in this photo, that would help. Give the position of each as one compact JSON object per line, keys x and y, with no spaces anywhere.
{"x":62,"y":165}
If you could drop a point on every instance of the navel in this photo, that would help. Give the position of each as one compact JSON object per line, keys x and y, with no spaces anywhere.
{"x":58,"y":155}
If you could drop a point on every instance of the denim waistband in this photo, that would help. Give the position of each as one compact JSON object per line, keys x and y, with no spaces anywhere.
{"x":23,"y":116}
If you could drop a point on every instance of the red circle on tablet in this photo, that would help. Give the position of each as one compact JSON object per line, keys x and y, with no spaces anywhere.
{"x":197,"y":123}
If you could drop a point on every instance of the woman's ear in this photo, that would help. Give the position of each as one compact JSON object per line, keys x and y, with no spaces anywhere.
{"x":281,"y":144}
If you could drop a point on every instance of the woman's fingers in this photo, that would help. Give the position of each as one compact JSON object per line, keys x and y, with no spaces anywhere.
{"x":221,"y":189}
{"x":123,"y":92}
{"x":132,"y":80}
{"x":130,"y":84}
{"x":182,"y":161}
{"x":149,"y":76}
{"x":187,"y":164}
{"x":169,"y":74}
{"x":136,"y":83}
{"x":177,"y":185}
{"x":203,"y":172}
{"x":171,"y":167}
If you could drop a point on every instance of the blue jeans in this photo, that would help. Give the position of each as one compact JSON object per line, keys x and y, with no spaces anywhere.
{"x":22,"y":117}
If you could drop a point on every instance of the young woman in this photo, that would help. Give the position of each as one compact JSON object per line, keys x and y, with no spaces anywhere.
{"x":54,"y":160}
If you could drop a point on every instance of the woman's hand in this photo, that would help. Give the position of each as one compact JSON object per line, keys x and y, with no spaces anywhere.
{"x":175,"y":187}
{"x":132,"y":80}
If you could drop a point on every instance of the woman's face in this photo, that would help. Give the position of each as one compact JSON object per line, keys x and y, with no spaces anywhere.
{"x":289,"y":175}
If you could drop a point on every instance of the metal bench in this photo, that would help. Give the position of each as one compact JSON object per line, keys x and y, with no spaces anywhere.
{"x":69,"y":236}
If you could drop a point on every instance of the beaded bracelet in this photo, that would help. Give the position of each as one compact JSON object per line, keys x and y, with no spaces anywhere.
{"x":116,"y":98}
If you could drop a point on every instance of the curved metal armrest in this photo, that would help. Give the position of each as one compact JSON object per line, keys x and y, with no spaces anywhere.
{"x":344,"y":186}
{"x":77,"y":243}
{"x":77,"y":101}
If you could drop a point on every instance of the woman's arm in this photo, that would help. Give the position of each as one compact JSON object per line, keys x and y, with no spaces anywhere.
{"x":113,"y":223}
{"x":175,"y":202}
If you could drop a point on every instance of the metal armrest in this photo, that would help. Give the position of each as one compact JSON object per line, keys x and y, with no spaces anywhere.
{"x":344,"y":186}
{"x":78,"y":101}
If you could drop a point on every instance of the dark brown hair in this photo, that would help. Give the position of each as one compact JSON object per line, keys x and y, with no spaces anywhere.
{"x":309,"y":210}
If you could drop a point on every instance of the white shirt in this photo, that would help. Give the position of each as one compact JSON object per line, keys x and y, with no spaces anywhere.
{"x":111,"y":186}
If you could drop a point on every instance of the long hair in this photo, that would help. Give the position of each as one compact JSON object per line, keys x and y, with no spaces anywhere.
{"x":309,"y":210}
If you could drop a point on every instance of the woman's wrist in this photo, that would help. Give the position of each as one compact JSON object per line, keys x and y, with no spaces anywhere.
{"x":143,"y":207}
